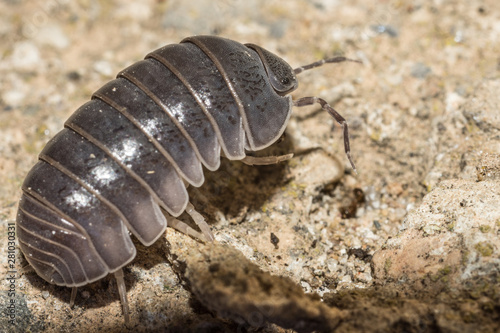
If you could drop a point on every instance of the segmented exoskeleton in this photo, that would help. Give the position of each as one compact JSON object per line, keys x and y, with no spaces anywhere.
{"x":136,"y":145}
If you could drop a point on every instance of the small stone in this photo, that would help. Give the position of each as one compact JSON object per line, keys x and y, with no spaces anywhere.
{"x":103,"y":67}
{"x":25,"y":56}
{"x":420,"y":70}
{"x":318,"y":168}
{"x":454,"y":101}
{"x":52,"y":35}
{"x":274,"y":240}
{"x":385,"y":29}
{"x":136,"y":10}
{"x":306,"y":286}
{"x":13,"y":97}
{"x":346,"y":279}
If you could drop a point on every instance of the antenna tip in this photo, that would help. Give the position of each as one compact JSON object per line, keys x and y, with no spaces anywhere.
{"x":352,"y":163}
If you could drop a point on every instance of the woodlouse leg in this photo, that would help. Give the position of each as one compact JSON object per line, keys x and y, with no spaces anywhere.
{"x":265,"y":160}
{"x":26,"y":269}
{"x":122,"y":291}
{"x":73,"y":297}
{"x":183,"y":227}
{"x":342,"y":122}
{"x":200,"y":222}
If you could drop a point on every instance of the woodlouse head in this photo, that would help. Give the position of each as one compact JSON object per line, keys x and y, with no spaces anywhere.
{"x":280,"y":73}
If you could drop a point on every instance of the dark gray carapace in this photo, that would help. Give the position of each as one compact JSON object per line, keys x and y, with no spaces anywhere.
{"x":132,"y":149}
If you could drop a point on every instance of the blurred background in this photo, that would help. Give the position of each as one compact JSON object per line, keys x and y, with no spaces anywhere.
{"x":422,"y":214}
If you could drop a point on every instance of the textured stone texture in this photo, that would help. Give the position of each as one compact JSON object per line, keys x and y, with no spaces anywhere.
{"x":408,"y":244}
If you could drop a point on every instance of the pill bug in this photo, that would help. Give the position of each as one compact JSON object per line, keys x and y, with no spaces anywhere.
{"x":124,"y":159}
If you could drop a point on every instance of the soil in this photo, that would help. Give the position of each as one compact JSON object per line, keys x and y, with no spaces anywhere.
{"x":409,"y":243}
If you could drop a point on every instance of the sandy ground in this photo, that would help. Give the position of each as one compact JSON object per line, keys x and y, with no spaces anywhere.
{"x":409,"y":244}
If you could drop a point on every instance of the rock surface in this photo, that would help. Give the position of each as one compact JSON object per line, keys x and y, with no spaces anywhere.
{"x":411,"y":243}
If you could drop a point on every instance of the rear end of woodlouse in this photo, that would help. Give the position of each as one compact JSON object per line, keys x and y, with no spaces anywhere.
{"x":123,"y":161}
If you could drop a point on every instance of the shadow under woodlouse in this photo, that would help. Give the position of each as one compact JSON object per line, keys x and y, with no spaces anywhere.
{"x":236,"y":186}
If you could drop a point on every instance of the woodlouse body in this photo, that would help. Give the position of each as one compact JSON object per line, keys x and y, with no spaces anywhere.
{"x":133,"y":148}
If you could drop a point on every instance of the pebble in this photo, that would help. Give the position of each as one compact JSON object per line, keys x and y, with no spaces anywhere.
{"x":25,"y":56}
{"x":346,"y":279}
{"x":306,"y":286}
{"x":318,"y":168}
{"x":135,"y":10}
{"x":385,"y":29}
{"x":103,"y":67}
{"x":454,"y":101}
{"x":52,"y":35}
{"x":13,"y":97}
{"x":332,"y":265}
{"x":420,"y":70}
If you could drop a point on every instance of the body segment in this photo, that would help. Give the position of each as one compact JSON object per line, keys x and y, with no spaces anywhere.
{"x":131,"y":151}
